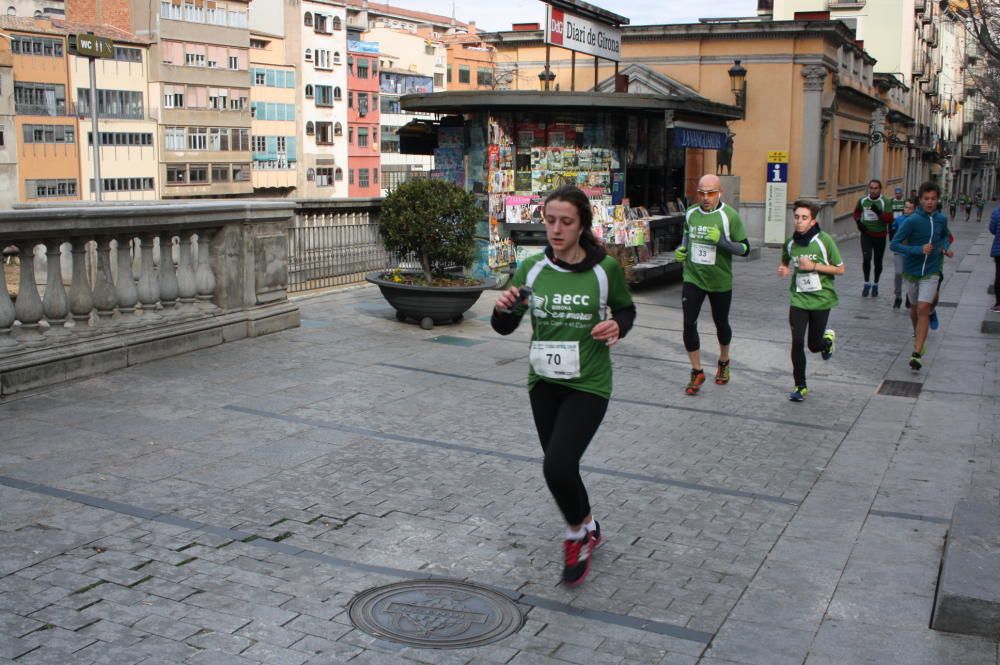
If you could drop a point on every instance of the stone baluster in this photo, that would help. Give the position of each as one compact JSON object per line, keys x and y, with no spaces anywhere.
{"x":204,"y":279}
{"x":105,"y":297}
{"x":187,"y":287}
{"x":81,"y":299}
{"x":55,"y":304}
{"x":28,"y":309}
{"x":7,"y":343}
{"x":167,"y":274}
{"x":148,"y":286}
{"x":128,"y":295}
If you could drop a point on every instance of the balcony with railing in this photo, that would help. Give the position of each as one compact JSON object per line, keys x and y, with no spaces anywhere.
{"x":50,"y":109}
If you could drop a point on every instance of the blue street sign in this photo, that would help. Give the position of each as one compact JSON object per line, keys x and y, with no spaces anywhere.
{"x":777,"y":172}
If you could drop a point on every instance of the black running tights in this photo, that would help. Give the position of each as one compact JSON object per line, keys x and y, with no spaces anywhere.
{"x":566,"y":421}
{"x":996,"y":281}
{"x":692,"y":299}
{"x":815,"y":321}
{"x":872,"y":248}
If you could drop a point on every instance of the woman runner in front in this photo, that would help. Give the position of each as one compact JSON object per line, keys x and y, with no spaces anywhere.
{"x":812,"y":259}
{"x":568,"y":290}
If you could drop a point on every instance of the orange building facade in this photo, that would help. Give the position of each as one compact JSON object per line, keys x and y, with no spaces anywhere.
{"x":363,"y":120}
{"x":45,"y":124}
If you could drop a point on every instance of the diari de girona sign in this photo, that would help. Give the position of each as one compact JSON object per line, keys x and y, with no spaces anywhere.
{"x":582,"y":35}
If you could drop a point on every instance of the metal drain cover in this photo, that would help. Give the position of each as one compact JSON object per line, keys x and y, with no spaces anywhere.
{"x":436,"y":614}
{"x":900,"y":388}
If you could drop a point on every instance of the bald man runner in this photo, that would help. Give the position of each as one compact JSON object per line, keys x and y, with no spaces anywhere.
{"x":713,"y":233}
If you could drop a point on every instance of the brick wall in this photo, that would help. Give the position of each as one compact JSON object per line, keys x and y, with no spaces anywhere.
{"x":117,"y":13}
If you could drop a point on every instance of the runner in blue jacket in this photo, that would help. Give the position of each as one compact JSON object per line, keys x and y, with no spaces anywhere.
{"x":922,"y":238}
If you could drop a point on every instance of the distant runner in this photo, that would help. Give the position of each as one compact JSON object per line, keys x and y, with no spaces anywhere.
{"x":872,"y":214}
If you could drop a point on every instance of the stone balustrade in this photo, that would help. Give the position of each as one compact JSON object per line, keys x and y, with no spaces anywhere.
{"x":144,"y":281}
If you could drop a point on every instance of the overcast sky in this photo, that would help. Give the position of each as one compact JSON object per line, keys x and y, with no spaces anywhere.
{"x":499,"y":15}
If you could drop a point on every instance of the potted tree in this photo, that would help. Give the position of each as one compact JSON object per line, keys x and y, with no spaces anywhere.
{"x":434,"y":222}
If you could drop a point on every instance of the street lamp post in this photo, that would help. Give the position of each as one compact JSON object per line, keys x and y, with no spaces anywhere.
{"x":546,"y":77}
{"x":738,"y":84}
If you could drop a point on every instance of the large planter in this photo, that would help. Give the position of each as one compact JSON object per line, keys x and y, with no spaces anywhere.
{"x":429,"y":304}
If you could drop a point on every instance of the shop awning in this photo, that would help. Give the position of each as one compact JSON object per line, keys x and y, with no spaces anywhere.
{"x":524,"y":100}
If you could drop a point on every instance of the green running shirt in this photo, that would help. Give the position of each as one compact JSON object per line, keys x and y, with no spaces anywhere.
{"x":822,"y":249}
{"x":717,"y":276}
{"x":878,"y":207}
{"x":565,"y":306}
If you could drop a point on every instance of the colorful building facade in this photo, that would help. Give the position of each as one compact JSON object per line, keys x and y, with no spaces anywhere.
{"x":363,"y":119}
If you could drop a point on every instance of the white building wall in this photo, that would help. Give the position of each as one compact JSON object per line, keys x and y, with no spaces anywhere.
{"x":315,"y":155}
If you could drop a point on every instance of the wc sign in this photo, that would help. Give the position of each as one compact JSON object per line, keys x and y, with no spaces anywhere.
{"x":582,"y":35}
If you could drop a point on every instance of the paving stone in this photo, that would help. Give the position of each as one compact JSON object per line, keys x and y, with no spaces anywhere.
{"x":273,"y":655}
{"x":169,"y":628}
{"x":232,"y":644}
{"x":13,"y":647}
{"x":270,"y":633}
{"x":46,"y":655}
{"x":222,"y":622}
{"x":62,"y":617}
{"x":211,"y":657}
{"x":318,"y":627}
{"x":17,"y":625}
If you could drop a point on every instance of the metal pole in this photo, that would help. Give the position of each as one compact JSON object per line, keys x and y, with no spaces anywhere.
{"x":547,"y":70}
{"x":595,"y":73}
{"x":572,"y":71}
{"x":98,"y":186}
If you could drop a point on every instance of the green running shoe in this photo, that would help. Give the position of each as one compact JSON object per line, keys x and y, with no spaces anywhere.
{"x":831,"y":337}
{"x":799,"y":394}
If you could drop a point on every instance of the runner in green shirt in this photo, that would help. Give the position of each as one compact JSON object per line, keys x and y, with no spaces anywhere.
{"x":568,"y":291}
{"x":812,"y":260}
{"x":897,"y":202}
{"x":873,"y":215}
{"x":713,"y":232}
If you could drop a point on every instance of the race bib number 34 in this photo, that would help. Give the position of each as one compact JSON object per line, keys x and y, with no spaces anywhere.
{"x":556,"y":360}
{"x":808,"y":282}
{"x":703,"y":254}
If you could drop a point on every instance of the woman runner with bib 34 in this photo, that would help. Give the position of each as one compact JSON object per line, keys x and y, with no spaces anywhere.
{"x":815,"y":262}
{"x":567,"y":291}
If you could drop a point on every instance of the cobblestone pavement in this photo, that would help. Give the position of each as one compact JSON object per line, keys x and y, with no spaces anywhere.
{"x":224,"y":506}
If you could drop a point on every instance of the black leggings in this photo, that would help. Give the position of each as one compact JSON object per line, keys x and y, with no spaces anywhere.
{"x":996,"y":280}
{"x":566,"y":421}
{"x":872,"y":248}
{"x":801,"y":319}
{"x":692,"y":299}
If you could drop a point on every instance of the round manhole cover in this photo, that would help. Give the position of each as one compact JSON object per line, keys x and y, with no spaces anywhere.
{"x":436,"y":614}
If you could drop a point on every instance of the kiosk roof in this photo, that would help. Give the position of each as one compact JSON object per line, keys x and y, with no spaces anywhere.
{"x":500,"y":100}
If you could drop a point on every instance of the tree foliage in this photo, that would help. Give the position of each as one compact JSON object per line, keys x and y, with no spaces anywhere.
{"x":432,"y":219}
{"x":982,"y":18}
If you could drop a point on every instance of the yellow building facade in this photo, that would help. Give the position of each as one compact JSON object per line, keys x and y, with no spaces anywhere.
{"x":810,"y":92}
{"x":129,"y":155}
{"x":273,"y":142}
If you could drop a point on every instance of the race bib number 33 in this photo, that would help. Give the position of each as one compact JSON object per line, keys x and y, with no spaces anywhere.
{"x":556,"y":360}
{"x":703,"y":254}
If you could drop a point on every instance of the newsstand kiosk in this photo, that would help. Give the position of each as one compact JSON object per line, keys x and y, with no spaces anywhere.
{"x":628,"y":152}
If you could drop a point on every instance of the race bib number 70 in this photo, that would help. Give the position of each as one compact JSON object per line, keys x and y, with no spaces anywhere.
{"x":556,"y":360}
